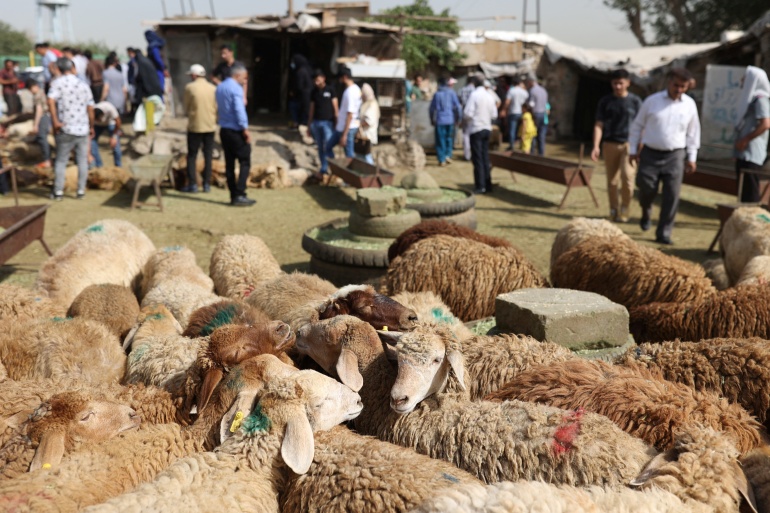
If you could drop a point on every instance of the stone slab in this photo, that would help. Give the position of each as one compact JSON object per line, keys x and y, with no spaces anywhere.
{"x":574,"y":319}
{"x":371,"y":202}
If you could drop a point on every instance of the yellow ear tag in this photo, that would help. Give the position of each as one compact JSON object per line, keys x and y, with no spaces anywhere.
{"x":236,"y":421}
{"x":46,"y":466}
{"x":384,"y":328}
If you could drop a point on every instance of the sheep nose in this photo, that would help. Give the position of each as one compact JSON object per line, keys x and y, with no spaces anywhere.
{"x":412,"y":318}
{"x":399,"y":401}
{"x":360,"y":403}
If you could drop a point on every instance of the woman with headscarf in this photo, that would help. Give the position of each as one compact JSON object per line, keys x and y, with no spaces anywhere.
{"x":303,"y":85}
{"x":751,"y":130}
{"x":370,"y":119}
{"x":154,"y":45}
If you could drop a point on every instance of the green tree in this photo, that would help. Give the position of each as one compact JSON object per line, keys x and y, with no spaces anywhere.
{"x":686,"y":21}
{"x":13,"y":42}
{"x":419,"y":49}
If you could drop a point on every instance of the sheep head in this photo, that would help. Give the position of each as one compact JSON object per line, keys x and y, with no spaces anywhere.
{"x":74,"y":417}
{"x":340,"y":345}
{"x":363,"y":302}
{"x":425,"y":357}
{"x":295,"y":406}
{"x":152,"y":319}
{"x":233,"y":344}
{"x":206,"y":319}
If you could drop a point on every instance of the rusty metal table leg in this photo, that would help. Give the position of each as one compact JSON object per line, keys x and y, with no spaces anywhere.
{"x":714,"y":242}
{"x":45,"y":246}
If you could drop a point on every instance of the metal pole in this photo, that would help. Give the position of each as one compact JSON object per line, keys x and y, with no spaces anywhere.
{"x":538,"y":16}
{"x":213,"y":14}
{"x":163,"y":5}
{"x":181,"y":2}
{"x":524,"y":18}
{"x":39,"y":23}
{"x":192,"y":7}
{"x":291,"y":8}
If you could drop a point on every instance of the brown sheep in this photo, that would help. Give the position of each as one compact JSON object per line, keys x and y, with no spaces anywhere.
{"x":23,"y":304}
{"x":467,"y":275}
{"x":428,"y":229}
{"x":736,"y":369}
{"x":59,"y":426}
{"x":240,"y":263}
{"x":630,"y":274}
{"x":115,"y":306}
{"x":638,"y":401}
{"x":733,"y":313}
{"x":206,"y":319}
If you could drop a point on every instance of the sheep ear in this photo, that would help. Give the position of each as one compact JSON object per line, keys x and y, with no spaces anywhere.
{"x":16,"y":420}
{"x":652,"y":467}
{"x":298,"y":444}
{"x":347,"y":370}
{"x":390,"y":337}
{"x":210,"y":381}
{"x":457,"y":362}
{"x":240,"y":409}
{"x":747,"y":492}
{"x":328,"y":309}
{"x":130,"y":338}
{"x":49,"y":452}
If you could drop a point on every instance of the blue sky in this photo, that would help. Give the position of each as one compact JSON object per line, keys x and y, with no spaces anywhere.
{"x":586,"y":23}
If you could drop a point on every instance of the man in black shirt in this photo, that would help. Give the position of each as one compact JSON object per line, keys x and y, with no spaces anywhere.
{"x":222,"y":71}
{"x":614,"y":115}
{"x":322,"y":113}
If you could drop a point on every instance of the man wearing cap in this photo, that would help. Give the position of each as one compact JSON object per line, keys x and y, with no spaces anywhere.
{"x":538,"y":100}
{"x":200,"y":105}
{"x":445,"y":112}
{"x":71,"y":105}
{"x":10,"y":81}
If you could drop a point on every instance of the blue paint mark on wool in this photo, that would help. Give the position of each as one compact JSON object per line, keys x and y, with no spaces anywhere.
{"x":442,"y":317}
{"x":257,"y":421}
{"x":223,"y":317}
{"x":95,"y":228}
{"x":450,"y":478}
{"x":171,"y":249}
{"x":61,"y":319}
{"x":155,"y":317}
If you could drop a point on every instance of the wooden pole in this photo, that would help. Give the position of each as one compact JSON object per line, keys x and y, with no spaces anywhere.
{"x":291,"y":8}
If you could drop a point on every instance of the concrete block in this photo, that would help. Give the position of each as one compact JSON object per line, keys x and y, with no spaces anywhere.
{"x":574,"y":319}
{"x":372,"y":202}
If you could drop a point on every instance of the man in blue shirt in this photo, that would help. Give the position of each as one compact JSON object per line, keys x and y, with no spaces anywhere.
{"x":445,"y":113}
{"x":751,"y":130}
{"x":234,"y":133}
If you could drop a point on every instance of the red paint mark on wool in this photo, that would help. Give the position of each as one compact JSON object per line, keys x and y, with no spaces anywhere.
{"x":248,"y":291}
{"x":565,"y":434}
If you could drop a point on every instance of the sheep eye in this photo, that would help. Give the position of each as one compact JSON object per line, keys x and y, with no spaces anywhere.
{"x":87,"y":416}
{"x":438,"y":360}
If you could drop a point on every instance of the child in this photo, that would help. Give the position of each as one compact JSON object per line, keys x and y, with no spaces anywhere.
{"x":527,"y":128}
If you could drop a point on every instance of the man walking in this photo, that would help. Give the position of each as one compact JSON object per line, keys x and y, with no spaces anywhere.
{"x":465,"y":93}
{"x":107,"y":119}
{"x":479,"y":114}
{"x":538,"y":100}
{"x":10,"y":81}
{"x":751,"y":131}
{"x":321,"y":115}
{"x":516,"y":97}
{"x":234,"y":133}
{"x":71,"y":106}
{"x":348,"y":120}
{"x":614,"y":115}
{"x":668,"y":128}
{"x":200,"y":105}
{"x":445,"y":113}
{"x":224,"y":68}
{"x":95,"y":76}
{"x":48,"y":59}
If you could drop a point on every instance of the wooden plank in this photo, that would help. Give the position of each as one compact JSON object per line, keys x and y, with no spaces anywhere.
{"x":553,"y":170}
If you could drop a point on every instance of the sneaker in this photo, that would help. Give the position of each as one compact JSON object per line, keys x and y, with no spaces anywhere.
{"x":242,"y":201}
{"x":613,"y":215}
{"x":56,"y":196}
{"x":624,"y":218}
{"x":645,"y":223}
{"x":81,"y":194}
{"x":190,"y":188}
{"x":664,"y":240}
{"x":43,"y":165}
{"x":448,"y":161}
{"x":206,"y":187}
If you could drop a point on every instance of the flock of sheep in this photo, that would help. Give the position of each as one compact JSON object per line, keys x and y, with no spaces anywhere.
{"x":131,"y":381}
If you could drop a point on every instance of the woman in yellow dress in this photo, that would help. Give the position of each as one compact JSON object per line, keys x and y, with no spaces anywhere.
{"x":527,"y":128}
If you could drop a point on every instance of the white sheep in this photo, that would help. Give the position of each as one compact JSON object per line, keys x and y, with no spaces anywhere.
{"x":581,"y":229}
{"x":745,"y":235}
{"x":240,"y":263}
{"x":493,"y":441}
{"x":173,"y":263}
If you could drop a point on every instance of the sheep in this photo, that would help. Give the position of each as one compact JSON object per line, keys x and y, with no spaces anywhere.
{"x":756,"y":271}
{"x":638,"y":401}
{"x":64,"y":423}
{"x":173,"y":263}
{"x":206,"y":319}
{"x":715,"y":271}
{"x":108,"y":251}
{"x":700,"y":475}
{"x":299,"y":298}
{"x":429,"y":307}
{"x":62,"y":347}
{"x":23,"y":304}
{"x":181,"y":297}
{"x":736,"y":369}
{"x":241,"y":262}
{"x":581,"y":229}
{"x":733,"y":313}
{"x":251,"y":467}
{"x":466,"y":274}
{"x":110,"y":468}
{"x":744,"y":236}
{"x":113,"y":305}
{"x":756,"y":465}
{"x":430,"y":228}
{"x":493,"y":441}
{"x":630,"y":274}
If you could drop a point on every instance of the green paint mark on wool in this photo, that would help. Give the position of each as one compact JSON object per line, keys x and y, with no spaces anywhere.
{"x":95,"y":228}
{"x":171,"y":249}
{"x":764,"y":218}
{"x":61,"y":319}
{"x":234,"y":381}
{"x":257,"y":421}
{"x":138,"y":352}
{"x":450,"y":477}
{"x":155,"y":316}
{"x":443,"y":318}
{"x":223,"y":317}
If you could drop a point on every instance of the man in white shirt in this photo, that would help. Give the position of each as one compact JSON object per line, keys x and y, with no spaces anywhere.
{"x":480,"y":111}
{"x":516,"y":97}
{"x":348,"y":118}
{"x":665,"y":131}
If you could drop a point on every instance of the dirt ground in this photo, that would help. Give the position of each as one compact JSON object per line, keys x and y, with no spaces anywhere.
{"x":523,"y":212}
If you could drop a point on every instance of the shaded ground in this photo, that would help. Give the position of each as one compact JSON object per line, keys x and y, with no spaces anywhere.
{"x":524,"y":212}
